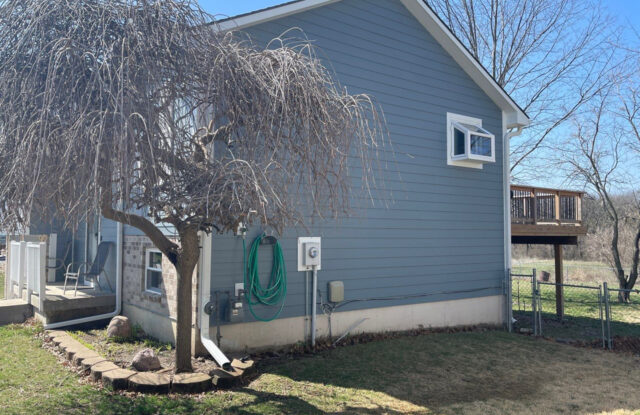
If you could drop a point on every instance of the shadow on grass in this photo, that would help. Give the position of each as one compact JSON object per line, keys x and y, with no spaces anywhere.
{"x":242,"y":401}
{"x":429,"y":371}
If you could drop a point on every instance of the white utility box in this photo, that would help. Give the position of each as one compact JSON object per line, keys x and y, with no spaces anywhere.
{"x":309,"y":253}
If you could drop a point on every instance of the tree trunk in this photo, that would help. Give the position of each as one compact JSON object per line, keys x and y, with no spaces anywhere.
{"x":186,"y":262}
{"x":633,"y":273}
{"x":623,"y":296}
{"x":615,"y":252}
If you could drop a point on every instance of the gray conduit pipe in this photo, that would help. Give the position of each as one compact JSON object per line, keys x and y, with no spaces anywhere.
{"x":313,"y":306}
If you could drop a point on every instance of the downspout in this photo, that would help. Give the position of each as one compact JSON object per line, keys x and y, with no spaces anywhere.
{"x":513,"y":132}
{"x":204,"y":285}
{"x":119,"y":244}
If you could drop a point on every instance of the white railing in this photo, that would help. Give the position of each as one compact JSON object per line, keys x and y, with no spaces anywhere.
{"x":36,"y":268}
{"x":16,"y":269}
{"x":27,"y":269}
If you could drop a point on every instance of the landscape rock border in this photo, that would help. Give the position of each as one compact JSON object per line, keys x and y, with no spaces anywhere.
{"x":109,"y":374}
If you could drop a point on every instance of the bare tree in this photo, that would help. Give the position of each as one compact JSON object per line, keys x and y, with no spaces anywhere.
{"x":123,"y":106}
{"x":552,"y":56}
{"x":596,"y":156}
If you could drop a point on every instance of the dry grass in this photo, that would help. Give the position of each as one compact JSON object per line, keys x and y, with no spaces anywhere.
{"x":461,"y":373}
{"x":472,"y":373}
{"x":576,"y":272}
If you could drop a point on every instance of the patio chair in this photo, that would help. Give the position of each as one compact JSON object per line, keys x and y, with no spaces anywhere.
{"x":89,"y":271}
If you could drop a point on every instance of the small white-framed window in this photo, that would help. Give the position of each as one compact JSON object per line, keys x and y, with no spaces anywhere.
{"x":468,"y":144}
{"x":153,"y":271}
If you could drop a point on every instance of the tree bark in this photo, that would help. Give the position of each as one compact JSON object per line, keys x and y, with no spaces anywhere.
{"x":187,"y":259}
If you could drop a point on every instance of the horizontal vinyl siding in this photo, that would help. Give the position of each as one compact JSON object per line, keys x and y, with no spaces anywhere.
{"x":443,"y":231}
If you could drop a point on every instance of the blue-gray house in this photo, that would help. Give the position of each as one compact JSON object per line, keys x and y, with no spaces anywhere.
{"x":437,"y":256}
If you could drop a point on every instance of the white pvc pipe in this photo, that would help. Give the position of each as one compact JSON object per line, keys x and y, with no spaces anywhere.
{"x":119,"y":244}
{"x":204,"y":284}
{"x":313,"y":306}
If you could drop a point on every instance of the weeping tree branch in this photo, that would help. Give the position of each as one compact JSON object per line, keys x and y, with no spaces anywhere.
{"x":146,"y":105}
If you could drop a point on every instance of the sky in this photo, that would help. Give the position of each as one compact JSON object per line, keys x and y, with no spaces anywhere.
{"x":234,"y":7}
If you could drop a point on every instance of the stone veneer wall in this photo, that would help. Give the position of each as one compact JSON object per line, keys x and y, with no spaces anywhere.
{"x":133,"y":274}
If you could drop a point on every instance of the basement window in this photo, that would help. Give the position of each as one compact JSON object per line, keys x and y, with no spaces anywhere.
{"x":153,"y":271}
{"x":468,"y":144}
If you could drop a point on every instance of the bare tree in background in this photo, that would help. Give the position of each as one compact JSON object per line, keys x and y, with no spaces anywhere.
{"x":123,"y":106}
{"x":597,"y":155}
{"x":551,"y":56}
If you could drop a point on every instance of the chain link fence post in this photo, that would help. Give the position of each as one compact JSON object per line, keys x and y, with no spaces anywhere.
{"x":535,"y":304}
{"x":509,"y":301}
{"x":600,"y":305}
{"x":607,"y":311}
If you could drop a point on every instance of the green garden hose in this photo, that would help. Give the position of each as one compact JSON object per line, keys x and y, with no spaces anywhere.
{"x":275,"y":291}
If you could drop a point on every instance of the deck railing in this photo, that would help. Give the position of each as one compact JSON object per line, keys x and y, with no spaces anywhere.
{"x":535,"y":205}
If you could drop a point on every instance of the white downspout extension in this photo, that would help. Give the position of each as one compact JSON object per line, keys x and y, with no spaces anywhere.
{"x":204,"y":286}
{"x":119,"y":245}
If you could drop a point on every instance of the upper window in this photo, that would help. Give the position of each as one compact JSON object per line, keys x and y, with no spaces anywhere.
{"x":468,"y":144}
{"x":153,"y":271}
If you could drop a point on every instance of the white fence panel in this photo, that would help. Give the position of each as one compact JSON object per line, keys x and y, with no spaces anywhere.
{"x":16,"y":269}
{"x":35,"y":267}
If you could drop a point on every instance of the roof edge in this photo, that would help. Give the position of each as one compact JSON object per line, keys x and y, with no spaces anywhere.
{"x":515,"y":116}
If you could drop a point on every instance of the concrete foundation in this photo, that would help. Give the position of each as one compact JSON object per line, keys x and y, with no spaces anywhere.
{"x":14,"y":311}
{"x":258,"y":335}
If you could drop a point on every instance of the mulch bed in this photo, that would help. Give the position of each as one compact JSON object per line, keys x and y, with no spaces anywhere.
{"x":122,"y":351}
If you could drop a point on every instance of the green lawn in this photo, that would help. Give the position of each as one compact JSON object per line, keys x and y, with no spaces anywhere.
{"x":461,"y":373}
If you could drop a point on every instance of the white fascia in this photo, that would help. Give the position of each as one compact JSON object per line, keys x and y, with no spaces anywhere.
{"x":242,"y":21}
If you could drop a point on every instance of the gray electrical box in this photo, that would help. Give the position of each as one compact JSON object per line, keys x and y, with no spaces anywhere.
{"x":336,"y":291}
{"x":311,"y":256}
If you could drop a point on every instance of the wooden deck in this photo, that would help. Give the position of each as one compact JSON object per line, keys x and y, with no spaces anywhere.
{"x":546,"y":216}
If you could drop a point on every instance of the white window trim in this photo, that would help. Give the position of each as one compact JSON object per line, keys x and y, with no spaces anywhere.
{"x":469,"y":160}
{"x":147,"y":268}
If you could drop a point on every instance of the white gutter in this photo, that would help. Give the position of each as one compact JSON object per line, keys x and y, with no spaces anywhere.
{"x":119,"y":244}
{"x":204,"y":286}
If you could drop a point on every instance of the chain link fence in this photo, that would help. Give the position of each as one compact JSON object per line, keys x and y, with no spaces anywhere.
{"x":589,"y":313}
{"x":574,"y":272}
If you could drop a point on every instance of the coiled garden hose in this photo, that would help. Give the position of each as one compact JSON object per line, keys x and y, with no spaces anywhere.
{"x":275,"y":291}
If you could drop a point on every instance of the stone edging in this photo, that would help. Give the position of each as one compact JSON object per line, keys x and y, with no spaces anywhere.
{"x":107,"y":372}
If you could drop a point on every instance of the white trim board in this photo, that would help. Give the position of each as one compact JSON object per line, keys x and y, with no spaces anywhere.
{"x":515,"y":116}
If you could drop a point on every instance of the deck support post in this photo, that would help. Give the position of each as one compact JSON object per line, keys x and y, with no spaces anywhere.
{"x":557,"y":248}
